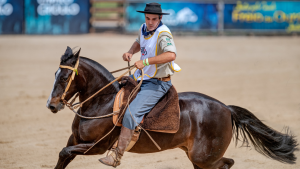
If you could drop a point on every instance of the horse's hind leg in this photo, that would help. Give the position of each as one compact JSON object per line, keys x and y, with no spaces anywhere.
{"x":208,"y":154}
{"x":196,"y":167}
{"x":224,"y":163}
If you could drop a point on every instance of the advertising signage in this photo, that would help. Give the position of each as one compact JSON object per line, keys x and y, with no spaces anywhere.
{"x":263,"y":15}
{"x":183,"y":16}
{"x":11,"y":16}
{"x":56,"y":16}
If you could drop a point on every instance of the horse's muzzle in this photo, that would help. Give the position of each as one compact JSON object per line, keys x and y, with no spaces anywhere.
{"x":55,"y":108}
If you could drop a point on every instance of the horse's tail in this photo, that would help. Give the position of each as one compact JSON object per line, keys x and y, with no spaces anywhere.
{"x":267,"y":141}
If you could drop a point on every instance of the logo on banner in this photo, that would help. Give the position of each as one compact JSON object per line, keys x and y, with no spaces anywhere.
{"x":182,"y":17}
{"x":143,"y":51}
{"x":57,"y":7}
{"x":5,"y":8}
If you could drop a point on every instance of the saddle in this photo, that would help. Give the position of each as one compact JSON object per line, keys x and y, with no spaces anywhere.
{"x":164,"y":117}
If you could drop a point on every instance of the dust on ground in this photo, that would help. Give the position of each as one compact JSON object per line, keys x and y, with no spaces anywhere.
{"x":261,"y":74}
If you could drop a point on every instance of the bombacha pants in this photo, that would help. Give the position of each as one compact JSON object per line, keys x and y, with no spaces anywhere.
{"x":151,"y":91}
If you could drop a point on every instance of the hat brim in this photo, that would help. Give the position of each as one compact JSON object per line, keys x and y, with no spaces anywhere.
{"x":158,"y":13}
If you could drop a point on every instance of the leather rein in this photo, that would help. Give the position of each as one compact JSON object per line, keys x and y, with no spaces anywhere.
{"x":72,"y":106}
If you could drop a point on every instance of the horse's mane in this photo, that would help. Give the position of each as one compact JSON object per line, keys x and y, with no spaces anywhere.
{"x":101,"y":69}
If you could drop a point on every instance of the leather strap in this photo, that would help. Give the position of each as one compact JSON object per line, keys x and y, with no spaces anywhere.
{"x":135,"y":137}
{"x":116,"y":156}
{"x":72,"y":76}
{"x":164,"y":79}
{"x":123,"y":68}
{"x":67,"y":67}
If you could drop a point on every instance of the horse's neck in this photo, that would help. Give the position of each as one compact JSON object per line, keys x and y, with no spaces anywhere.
{"x":92,"y":81}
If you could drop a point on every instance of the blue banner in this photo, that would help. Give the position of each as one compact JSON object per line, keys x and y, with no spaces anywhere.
{"x":11,"y":16}
{"x":183,"y":16}
{"x":263,"y":15}
{"x":56,"y":16}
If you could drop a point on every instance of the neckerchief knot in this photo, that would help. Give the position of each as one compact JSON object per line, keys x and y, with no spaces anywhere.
{"x":146,"y":33}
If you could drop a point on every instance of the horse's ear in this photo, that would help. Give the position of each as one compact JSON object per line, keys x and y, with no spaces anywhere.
{"x":76,"y":55}
{"x":68,"y":51}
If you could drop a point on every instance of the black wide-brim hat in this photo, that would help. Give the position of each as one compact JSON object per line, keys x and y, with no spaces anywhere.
{"x":153,"y":8}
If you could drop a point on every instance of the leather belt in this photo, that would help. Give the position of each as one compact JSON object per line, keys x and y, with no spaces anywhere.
{"x":164,"y":79}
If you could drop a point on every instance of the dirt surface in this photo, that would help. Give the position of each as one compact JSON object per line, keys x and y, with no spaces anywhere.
{"x":261,"y":74}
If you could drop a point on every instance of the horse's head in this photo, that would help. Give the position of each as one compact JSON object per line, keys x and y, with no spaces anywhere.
{"x":62,"y":77}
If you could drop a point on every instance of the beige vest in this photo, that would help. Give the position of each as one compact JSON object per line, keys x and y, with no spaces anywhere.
{"x":148,"y":50}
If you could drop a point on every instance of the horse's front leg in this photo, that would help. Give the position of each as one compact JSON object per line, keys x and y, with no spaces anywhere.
{"x":72,"y":141}
{"x":67,"y":154}
{"x":72,"y":149}
{"x":64,"y":160}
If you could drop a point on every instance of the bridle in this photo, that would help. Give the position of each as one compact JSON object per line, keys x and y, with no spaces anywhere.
{"x":75,"y":72}
{"x":72,"y":106}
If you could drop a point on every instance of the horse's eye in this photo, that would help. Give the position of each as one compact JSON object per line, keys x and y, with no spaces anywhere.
{"x":64,"y":78}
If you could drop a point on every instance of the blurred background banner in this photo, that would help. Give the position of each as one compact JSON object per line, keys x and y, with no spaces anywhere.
{"x":183,"y":16}
{"x":11,"y":16}
{"x":202,"y":17}
{"x":263,"y":15}
{"x":57,"y":16}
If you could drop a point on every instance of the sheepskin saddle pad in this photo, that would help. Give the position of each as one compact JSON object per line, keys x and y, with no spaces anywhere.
{"x":164,"y":117}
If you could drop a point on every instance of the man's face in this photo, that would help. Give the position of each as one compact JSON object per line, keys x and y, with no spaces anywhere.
{"x":152,"y":21}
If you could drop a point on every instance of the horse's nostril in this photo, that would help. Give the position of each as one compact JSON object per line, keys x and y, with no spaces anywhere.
{"x":52,"y":107}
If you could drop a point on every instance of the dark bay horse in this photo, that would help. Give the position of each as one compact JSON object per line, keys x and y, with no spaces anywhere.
{"x":206,"y":125}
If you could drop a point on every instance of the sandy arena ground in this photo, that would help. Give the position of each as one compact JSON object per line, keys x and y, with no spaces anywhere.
{"x":261,"y":74}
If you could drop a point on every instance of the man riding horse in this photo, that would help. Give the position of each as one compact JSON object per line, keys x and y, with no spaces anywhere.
{"x":158,"y":53}
{"x":204,"y":121}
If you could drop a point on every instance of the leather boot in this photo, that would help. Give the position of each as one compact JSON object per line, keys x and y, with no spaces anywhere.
{"x":114,"y":159}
